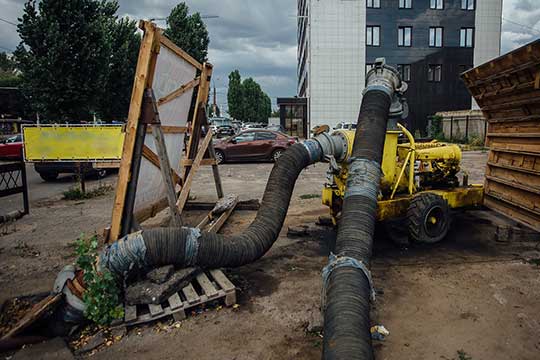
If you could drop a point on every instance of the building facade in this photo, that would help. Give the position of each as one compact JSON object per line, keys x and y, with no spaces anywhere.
{"x":430,"y":42}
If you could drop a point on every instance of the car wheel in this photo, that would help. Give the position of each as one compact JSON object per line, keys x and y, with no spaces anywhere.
{"x":101,"y":173}
{"x":49,"y":176}
{"x":277,"y":154}
{"x":220,"y":157}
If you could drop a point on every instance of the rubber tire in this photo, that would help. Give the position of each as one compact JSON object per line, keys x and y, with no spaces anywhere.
{"x":419,"y":209}
{"x":220,"y":157}
{"x":101,"y":173}
{"x":277,"y":153}
{"x":49,"y":176}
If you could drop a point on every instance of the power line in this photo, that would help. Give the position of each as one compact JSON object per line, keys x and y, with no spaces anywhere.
{"x":9,"y":22}
{"x":522,"y":25}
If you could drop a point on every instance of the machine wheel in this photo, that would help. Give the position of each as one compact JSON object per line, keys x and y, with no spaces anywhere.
{"x":220,"y":157}
{"x":101,"y":173}
{"x":276,"y":154}
{"x":49,"y":176}
{"x":428,"y":218}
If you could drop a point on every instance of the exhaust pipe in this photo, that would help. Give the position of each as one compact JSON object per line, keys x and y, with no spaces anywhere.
{"x":347,"y":284}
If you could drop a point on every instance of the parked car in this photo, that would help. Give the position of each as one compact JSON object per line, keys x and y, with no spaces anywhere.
{"x":252,"y":126}
{"x":12,"y":148}
{"x":49,"y":170}
{"x":253,"y":145}
{"x":225,"y":130}
{"x":217,"y":122}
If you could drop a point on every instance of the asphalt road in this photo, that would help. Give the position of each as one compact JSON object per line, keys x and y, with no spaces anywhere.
{"x":38,"y":189}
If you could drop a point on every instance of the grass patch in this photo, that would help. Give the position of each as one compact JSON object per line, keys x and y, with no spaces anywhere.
{"x":462,"y":355}
{"x":75,"y":193}
{"x":310,"y":196}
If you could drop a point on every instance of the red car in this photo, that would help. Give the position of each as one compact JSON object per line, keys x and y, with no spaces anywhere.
{"x":12,"y":148}
{"x":253,"y":145}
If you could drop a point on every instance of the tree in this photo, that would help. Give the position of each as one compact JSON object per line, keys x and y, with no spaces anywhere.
{"x":125,"y":42}
{"x":247,"y":101}
{"x":188,"y":32}
{"x":234,"y":96}
{"x":8,"y":75}
{"x":66,"y":64}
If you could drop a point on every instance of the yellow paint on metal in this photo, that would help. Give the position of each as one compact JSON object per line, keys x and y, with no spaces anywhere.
{"x":73,"y":143}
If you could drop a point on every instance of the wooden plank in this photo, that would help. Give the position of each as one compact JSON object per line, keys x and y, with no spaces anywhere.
{"x":34,"y":314}
{"x":181,"y":53}
{"x":143,"y":79}
{"x":206,"y":285}
{"x":175,"y":302}
{"x":155,"y":309}
{"x":178,"y":92}
{"x":188,"y":162}
{"x":218,"y":224}
{"x":200,"y":105}
{"x":170,"y":190}
{"x":222,"y":280}
{"x":170,"y":129}
{"x":130,"y":313}
{"x":196,"y":164}
{"x":154,"y":159}
{"x":191,"y":295}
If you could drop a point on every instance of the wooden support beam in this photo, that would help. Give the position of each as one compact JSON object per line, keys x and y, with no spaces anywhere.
{"x":170,"y":129}
{"x":154,"y":159}
{"x":143,"y":79}
{"x":178,"y":92}
{"x":187,"y":162}
{"x":189,"y":179}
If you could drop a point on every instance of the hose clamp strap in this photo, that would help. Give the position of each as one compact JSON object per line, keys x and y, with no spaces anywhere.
{"x":192,"y":245}
{"x":336,"y":262}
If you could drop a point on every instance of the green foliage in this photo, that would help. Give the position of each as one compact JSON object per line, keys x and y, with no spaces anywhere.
{"x":74,"y":54}
{"x":247,"y":101}
{"x":9,"y":80}
{"x":435,"y":129}
{"x":462,"y":355}
{"x":75,"y":193}
{"x":102,"y":296}
{"x":188,"y":32}
{"x":8,"y":77}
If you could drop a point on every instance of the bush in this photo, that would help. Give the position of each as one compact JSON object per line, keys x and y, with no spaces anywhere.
{"x":75,"y":193}
{"x":102,"y":296}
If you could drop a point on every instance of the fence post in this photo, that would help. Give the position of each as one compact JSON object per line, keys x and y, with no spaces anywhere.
{"x":451,"y":128}
{"x":467,"y":128}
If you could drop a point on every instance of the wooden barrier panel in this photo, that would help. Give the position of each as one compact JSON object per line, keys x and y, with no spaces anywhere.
{"x":508,"y":91}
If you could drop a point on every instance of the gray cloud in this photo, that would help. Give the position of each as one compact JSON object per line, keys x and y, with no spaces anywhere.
{"x":259,"y":37}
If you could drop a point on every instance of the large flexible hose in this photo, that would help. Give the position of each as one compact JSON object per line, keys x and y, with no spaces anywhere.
{"x":189,"y":247}
{"x":348,"y":285}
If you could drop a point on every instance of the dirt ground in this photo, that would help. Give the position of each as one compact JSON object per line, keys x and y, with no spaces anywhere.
{"x":468,"y":294}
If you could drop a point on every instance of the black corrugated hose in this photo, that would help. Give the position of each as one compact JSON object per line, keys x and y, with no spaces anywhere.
{"x":348,"y":288}
{"x":189,"y":247}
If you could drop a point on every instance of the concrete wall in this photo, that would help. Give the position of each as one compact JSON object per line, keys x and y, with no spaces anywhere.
{"x":458,"y":125}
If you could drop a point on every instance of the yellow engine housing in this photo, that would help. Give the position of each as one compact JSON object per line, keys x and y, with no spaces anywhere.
{"x":407,"y":168}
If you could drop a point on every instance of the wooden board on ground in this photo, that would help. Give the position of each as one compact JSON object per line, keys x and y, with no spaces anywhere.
{"x":211,"y":286}
{"x":507,"y":89}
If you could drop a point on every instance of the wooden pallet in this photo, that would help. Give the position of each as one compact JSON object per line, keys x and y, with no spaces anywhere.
{"x":207,"y":287}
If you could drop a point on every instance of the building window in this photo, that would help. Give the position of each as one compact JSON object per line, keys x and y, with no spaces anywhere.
{"x":373,"y":35}
{"x":434,"y":73}
{"x":405,"y":4}
{"x":435,"y":36}
{"x":404,"y":71}
{"x":436,"y":4}
{"x":404,"y":35}
{"x":467,"y":4}
{"x":466,"y":37}
{"x":373,"y":4}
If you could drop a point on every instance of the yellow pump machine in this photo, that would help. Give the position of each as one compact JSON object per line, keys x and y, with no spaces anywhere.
{"x":418,"y":188}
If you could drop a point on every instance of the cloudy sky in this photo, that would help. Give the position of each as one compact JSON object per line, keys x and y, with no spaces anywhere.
{"x":258,"y":37}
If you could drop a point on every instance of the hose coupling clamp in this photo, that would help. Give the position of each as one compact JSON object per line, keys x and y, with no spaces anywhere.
{"x":336,"y":262}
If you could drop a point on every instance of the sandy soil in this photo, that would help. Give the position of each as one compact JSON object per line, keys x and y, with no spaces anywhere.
{"x":468,"y":293}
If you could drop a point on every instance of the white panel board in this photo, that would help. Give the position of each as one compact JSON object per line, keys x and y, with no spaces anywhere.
{"x":171,"y":73}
